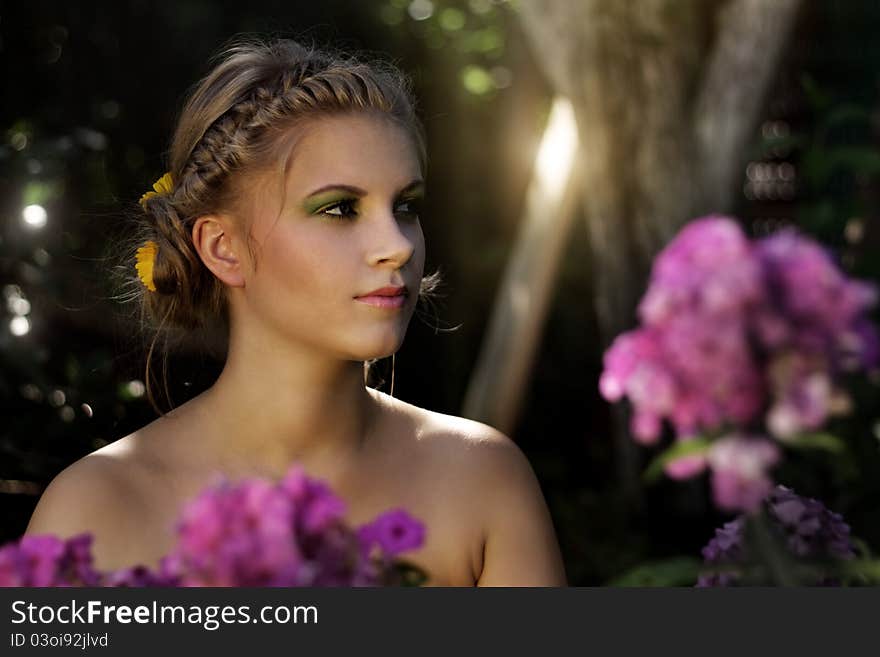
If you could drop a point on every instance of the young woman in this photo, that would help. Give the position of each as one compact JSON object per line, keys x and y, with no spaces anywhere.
{"x":290,"y":216}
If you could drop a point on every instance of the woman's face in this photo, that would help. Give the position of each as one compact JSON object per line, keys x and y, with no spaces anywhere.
{"x":349,"y":225}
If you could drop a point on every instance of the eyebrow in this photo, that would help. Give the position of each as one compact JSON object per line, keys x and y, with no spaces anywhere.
{"x":415,"y":184}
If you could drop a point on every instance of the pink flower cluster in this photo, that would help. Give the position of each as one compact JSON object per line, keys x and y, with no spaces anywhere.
{"x":740,"y":336}
{"x":48,"y":561}
{"x":247,"y":533}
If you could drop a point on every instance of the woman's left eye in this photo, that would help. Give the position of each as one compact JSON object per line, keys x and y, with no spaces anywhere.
{"x":413,"y":207}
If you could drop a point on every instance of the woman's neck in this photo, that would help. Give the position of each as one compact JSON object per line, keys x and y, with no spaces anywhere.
{"x":273,"y":406}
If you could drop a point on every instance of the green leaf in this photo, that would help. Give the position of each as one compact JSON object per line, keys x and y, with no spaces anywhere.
{"x":676,"y":571}
{"x":814,"y":166}
{"x":407,"y":574}
{"x":820,"y":164}
{"x":790,"y":143}
{"x":823,"y":441}
{"x":865,"y":570}
{"x":817,"y":98}
{"x":846,"y":113}
{"x":862,"y":547}
{"x":770,"y":550}
{"x":690,"y":447}
{"x":855,"y":159}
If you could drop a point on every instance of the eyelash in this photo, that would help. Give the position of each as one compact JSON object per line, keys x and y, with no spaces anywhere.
{"x":415,"y":203}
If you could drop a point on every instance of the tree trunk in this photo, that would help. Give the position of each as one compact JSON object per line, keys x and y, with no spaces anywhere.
{"x":666,"y":96}
{"x":497,"y":385}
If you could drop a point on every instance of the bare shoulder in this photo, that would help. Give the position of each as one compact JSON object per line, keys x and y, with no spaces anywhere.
{"x":489,"y":456}
{"x":474,"y":453}
{"x":95,"y":494}
{"x":493,"y":474}
{"x":452,"y":439}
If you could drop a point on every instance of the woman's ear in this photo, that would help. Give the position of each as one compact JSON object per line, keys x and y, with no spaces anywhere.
{"x":220,"y":250}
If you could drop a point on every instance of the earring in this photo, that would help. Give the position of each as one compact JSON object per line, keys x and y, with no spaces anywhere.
{"x":392,"y":373}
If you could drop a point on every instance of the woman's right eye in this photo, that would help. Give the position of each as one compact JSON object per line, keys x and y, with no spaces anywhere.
{"x":339,"y":210}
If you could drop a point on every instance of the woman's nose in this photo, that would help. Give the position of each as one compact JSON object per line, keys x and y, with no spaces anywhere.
{"x":392,"y":240}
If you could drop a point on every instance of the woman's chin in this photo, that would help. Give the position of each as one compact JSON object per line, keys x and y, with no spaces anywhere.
{"x":384,"y":350}
{"x":377,"y":355}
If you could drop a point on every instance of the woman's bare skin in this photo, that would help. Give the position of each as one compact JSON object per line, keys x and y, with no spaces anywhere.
{"x":431,"y":464}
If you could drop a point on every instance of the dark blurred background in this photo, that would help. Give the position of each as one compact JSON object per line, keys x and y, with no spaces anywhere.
{"x":90,"y":91}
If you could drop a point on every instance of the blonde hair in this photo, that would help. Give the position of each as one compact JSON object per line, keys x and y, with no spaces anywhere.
{"x":233,"y":126}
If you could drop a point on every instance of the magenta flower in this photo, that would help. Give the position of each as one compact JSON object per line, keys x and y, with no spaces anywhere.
{"x":807,"y":287}
{"x":238,"y":535}
{"x":44,"y":556}
{"x":394,"y":532}
{"x":320,"y":509}
{"x":740,"y":336}
{"x":634,"y":367}
{"x":46,"y":560}
{"x":740,"y":467}
{"x":254,"y":533}
{"x":248,"y":533}
{"x":685,"y":467}
{"x":708,"y":266}
{"x":674,"y":372}
{"x":805,"y":395}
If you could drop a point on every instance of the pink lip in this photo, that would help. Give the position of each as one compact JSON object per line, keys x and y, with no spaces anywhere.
{"x":378,"y":301}
{"x":388,"y":291}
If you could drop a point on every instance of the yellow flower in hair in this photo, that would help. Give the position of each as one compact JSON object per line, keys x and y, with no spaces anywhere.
{"x":146,"y":256}
{"x":162,"y":187}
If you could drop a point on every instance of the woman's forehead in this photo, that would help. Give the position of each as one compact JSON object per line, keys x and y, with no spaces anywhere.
{"x":362,"y":150}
